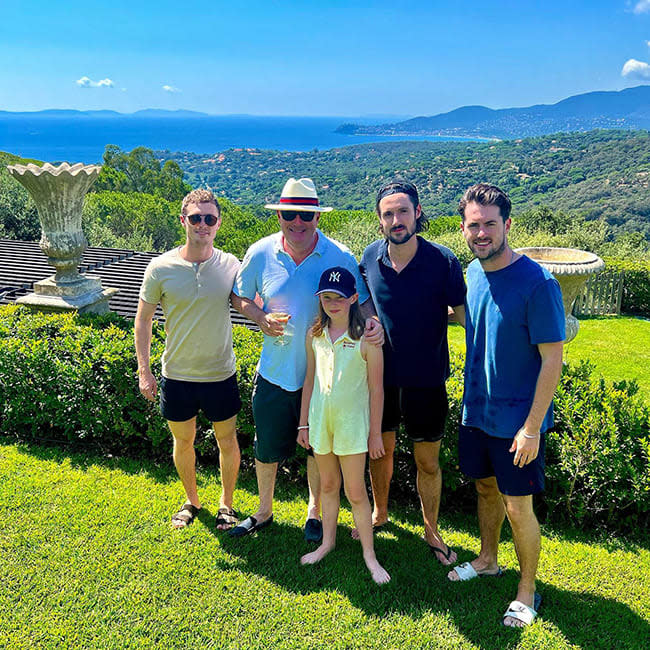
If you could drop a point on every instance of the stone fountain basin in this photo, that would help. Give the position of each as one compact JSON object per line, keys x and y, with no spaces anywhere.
{"x":564,"y":261}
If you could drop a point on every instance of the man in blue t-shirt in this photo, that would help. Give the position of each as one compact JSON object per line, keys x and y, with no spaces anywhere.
{"x":413,"y":282}
{"x":514,"y":330}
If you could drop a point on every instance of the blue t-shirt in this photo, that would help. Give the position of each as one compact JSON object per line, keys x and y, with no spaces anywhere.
{"x":508,"y":313}
{"x":412,"y":307}
{"x":267,"y":269}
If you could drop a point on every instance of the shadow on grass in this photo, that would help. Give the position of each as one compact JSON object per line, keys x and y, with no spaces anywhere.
{"x":419,"y":586}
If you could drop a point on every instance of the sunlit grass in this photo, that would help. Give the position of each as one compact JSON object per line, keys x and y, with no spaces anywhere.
{"x":619,"y":347}
{"x":89,"y":561}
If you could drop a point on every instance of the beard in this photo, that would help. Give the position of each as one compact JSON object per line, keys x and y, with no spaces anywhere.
{"x":401,"y":237}
{"x":493,"y":252}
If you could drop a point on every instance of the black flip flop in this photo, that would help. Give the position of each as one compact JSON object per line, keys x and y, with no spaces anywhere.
{"x":436,"y":549}
{"x":248,"y":526}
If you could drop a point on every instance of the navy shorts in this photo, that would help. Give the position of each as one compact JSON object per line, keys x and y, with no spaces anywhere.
{"x":482,"y":455}
{"x":422,"y":410}
{"x":277,"y":414}
{"x":182,"y":400}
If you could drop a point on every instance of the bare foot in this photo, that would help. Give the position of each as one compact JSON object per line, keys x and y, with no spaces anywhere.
{"x":317,"y":555}
{"x":378,"y":573}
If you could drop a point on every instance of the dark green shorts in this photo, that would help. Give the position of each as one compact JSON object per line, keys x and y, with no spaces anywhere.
{"x":277,"y":415}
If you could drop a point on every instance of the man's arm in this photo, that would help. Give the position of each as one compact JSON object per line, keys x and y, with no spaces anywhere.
{"x":374,"y":332}
{"x":250,"y":310}
{"x":526,"y":442}
{"x":142,"y":331}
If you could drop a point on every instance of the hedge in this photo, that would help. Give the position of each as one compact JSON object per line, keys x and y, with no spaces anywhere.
{"x":636,"y":285}
{"x":72,"y":379}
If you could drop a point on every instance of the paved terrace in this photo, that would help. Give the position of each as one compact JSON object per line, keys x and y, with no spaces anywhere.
{"x":22,"y":263}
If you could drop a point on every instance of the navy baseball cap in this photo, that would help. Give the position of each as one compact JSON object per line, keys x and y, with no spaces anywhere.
{"x":337,"y":280}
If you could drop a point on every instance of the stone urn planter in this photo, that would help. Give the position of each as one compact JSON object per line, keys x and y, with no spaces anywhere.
{"x":58,"y":193}
{"x":570,"y":267}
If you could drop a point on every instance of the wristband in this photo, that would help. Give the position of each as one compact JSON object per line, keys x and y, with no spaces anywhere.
{"x":306,"y":426}
{"x":531,"y":437}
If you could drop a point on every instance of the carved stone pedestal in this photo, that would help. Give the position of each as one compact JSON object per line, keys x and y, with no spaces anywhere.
{"x":59,"y":193}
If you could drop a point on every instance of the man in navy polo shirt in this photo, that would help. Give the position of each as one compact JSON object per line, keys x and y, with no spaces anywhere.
{"x":412,"y":283}
{"x":514,"y":334}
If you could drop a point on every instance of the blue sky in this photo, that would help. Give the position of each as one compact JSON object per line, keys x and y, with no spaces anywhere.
{"x":317,"y":57}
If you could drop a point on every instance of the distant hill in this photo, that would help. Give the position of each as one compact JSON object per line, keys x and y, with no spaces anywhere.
{"x":68,"y":113}
{"x":600,"y":174}
{"x":628,"y":109}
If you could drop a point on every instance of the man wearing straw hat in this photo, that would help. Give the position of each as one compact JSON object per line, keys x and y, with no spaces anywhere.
{"x":275,"y":288}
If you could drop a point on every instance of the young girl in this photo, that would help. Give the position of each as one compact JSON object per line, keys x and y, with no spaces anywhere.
{"x":341,"y":410}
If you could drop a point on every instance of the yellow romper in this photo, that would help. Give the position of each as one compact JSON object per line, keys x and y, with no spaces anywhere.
{"x":339,"y":411}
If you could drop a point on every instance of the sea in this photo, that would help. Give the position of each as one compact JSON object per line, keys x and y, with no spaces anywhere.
{"x":83,"y":138}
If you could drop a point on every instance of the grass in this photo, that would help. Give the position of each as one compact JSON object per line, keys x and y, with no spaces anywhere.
{"x":89,"y":561}
{"x":618,"y":346}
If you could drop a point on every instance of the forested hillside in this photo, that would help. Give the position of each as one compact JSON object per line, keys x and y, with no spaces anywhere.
{"x":600,"y":174}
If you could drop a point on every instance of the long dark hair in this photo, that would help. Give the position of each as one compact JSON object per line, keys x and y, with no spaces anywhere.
{"x":400,"y":186}
{"x":356,"y":324}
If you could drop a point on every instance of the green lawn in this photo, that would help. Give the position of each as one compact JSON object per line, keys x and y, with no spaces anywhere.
{"x":619,"y":347}
{"x":89,"y":561}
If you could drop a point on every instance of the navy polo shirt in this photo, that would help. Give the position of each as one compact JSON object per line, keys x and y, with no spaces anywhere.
{"x":412,"y":307}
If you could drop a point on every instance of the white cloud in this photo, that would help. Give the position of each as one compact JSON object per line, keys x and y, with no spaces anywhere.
{"x":642,"y":7}
{"x":86,"y":82}
{"x":171,"y":89}
{"x":636,"y":69}
{"x":647,"y":43}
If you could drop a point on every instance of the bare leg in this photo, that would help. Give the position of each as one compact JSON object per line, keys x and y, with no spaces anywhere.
{"x":313,"y":482}
{"x":527,"y":539}
{"x":429,"y":484}
{"x":381,"y":473}
{"x":353,"y":467}
{"x":266,"y":473}
{"x":185,"y":458}
{"x":330,"y":480}
{"x":491,"y":513}
{"x":229,"y":458}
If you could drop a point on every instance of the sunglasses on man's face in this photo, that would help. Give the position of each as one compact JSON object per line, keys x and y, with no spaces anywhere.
{"x":209,"y":219}
{"x":290,"y":215}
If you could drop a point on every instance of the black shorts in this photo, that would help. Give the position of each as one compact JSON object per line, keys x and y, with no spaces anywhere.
{"x":422,"y":410}
{"x":482,"y":456}
{"x":277,"y":413}
{"x":182,"y":400}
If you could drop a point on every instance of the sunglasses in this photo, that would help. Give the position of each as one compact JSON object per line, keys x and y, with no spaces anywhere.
{"x":290,"y":215}
{"x":209,"y":219}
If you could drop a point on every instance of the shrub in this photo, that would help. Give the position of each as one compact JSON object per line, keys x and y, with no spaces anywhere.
{"x":67,"y":378}
{"x":73,"y":378}
{"x":598,"y":457}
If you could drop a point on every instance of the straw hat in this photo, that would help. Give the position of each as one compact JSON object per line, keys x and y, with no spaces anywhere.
{"x":298,"y":195}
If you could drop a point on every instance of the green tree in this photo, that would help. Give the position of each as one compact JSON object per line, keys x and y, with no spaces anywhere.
{"x":140,"y":171}
{"x":132,"y":220}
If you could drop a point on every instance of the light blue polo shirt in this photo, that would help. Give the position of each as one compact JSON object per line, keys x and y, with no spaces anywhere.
{"x":267,"y":269}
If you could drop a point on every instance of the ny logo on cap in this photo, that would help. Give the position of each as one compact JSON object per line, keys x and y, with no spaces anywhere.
{"x":335,"y":276}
